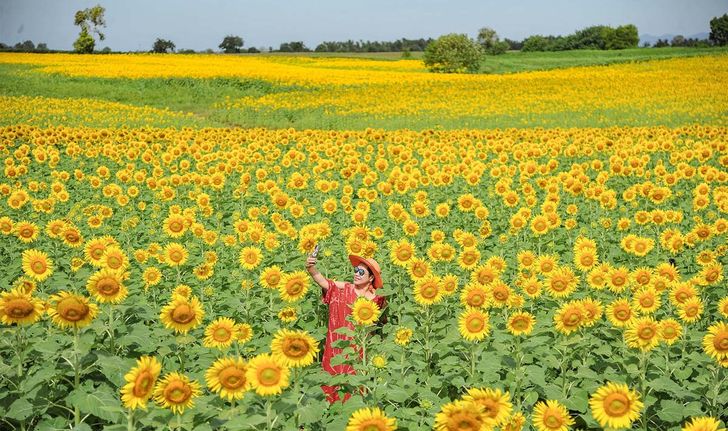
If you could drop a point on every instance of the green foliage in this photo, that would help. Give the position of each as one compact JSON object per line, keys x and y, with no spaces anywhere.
{"x":163,"y":46}
{"x":85,"y":43}
{"x":719,"y":30}
{"x":595,"y":37}
{"x":453,"y":53}
{"x":231,"y":44}
{"x":491,"y":43}
{"x":91,"y":20}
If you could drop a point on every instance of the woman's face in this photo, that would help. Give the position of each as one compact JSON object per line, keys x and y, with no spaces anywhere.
{"x":362,"y":276}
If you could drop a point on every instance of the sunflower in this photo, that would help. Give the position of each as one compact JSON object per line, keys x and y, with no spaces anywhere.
{"x":561,"y":282}
{"x":585,"y":259}
{"x":546,"y":263}
{"x":271,"y":277}
{"x":620,"y":314}
{"x":36,"y":264}
{"x":72,"y":237}
{"x":521,"y":323}
{"x":418,"y":268}
{"x":267,"y":375}
{"x":715,"y":342}
{"x":618,"y":279}
{"x":614,"y":405}
{"x":670,"y":330}
{"x":681,"y":292}
{"x":532,"y":287}
{"x":182,"y":290}
{"x":646,"y":300}
{"x":484,"y":274}
{"x":474,"y":324}
{"x":293,"y":286}
{"x":515,"y":422}
{"x":250,"y":257}
{"x":551,"y":416}
{"x":140,"y":382}
{"x":370,"y":419}
{"x":569,"y":317}
{"x":365,"y":311}
{"x":182,"y":314}
{"x":428,"y":290}
{"x":401,"y":252}
{"x":691,"y":310}
{"x":174,"y":225}
{"x":643,"y":334}
{"x":711,"y":274}
{"x":403,"y":336}
{"x":220,"y":333}
{"x":474,"y":295}
{"x":500,"y":294}
{"x":469,"y":258}
{"x":68,"y":310}
{"x":496,"y":405}
{"x":19,"y":307}
{"x":294,"y":348}
{"x":461,"y":415}
{"x":176,"y":392}
{"x":704,"y":423}
{"x":94,"y":250}
{"x":244,"y":333}
{"x":288,"y":314}
{"x":723,"y":306}
{"x":26,"y":231}
{"x":226,"y":377}
{"x":175,"y":254}
{"x":593,"y":311}
{"x":107,"y":286}
{"x":539,"y":225}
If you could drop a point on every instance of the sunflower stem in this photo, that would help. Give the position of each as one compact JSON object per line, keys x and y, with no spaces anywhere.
{"x":130,"y":420}
{"x":268,"y":414}
{"x":643,"y":381}
{"x":20,"y":343}
{"x":76,"y":375}
{"x":111,"y":329}
{"x":473,"y":346}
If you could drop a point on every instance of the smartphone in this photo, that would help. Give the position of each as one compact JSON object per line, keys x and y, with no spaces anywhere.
{"x":315,"y":251}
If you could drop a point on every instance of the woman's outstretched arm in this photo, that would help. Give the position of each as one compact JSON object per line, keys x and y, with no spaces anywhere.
{"x":317,"y":276}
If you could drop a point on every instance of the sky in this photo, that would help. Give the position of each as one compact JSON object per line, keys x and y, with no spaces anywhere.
{"x":133,"y":25}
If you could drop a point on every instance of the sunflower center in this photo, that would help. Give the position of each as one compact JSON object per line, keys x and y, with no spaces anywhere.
{"x":176,"y":226}
{"x":463,"y":422}
{"x":221,"y":334}
{"x":669,"y":332}
{"x":373,"y":426}
{"x":295,"y":347}
{"x":476,"y":299}
{"x":26,"y":232}
{"x":97,"y":252}
{"x":500,"y":294}
{"x":616,"y":405}
{"x":365,"y":313}
{"x":475,"y":324}
{"x":520,"y":323}
{"x":72,"y":309}
{"x":618,"y":280}
{"x":269,"y":376}
{"x":113,"y":261}
{"x":19,"y":308}
{"x":558,"y":285}
{"x":251,"y":258}
{"x":143,"y":384}
{"x":107,"y":286}
{"x":429,"y":291}
{"x":572,"y":318}
{"x":175,"y":256}
{"x":72,"y":236}
{"x":294,"y":288}
{"x":646,"y":333}
{"x":622,"y":314}
{"x":647,"y":301}
{"x":720,"y":342}
{"x":183,"y":313}
{"x":177,"y":393}
{"x":553,"y":421}
{"x":232,"y":377}
{"x":39,"y":267}
{"x":404,"y":254}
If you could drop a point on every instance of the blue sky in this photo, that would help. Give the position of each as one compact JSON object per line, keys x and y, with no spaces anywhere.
{"x":135,"y":24}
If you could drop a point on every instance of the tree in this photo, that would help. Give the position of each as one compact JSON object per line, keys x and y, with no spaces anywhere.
{"x":90,"y":20}
{"x":231,"y":44}
{"x":453,"y":53}
{"x":678,"y":40}
{"x":296,"y":46}
{"x":162,"y":46}
{"x":491,"y":43}
{"x":719,"y":30}
{"x":661,"y":43}
{"x":27,"y":46}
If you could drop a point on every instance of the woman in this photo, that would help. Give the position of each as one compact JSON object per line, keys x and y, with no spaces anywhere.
{"x":340,"y":297}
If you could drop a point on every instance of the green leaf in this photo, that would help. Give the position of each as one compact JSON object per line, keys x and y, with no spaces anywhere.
{"x":100,"y":402}
{"x":244,"y":422}
{"x":670,"y":411}
{"x":21,"y":409}
{"x":313,"y":411}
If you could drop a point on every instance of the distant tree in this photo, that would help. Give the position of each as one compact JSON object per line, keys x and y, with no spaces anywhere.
{"x":406,"y":53}
{"x":209,"y":51}
{"x":646,"y":44}
{"x":42,"y":47}
{"x":106,"y":50}
{"x":624,"y":36}
{"x":90,"y":20}
{"x":535,"y":43}
{"x":27,"y":46}
{"x":162,"y":46}
{"x":231,"y":44}
{"x":719,"y":30}
{"x":253,"y":50}
{"x":661,"y":43}
{"x":296,"y":46}
{"x":3,"y":47}
{"x":678,"y":40}
{"x":185,"y":51}
{"x":513,"y":44}
{"x":491,"y":43}
{"x":453,"y":53}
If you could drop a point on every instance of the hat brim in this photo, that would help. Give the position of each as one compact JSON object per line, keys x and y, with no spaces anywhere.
{"x":356,"y":260}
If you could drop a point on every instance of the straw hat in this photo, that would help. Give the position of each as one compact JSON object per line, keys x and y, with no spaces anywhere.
{"x":372,"y":265}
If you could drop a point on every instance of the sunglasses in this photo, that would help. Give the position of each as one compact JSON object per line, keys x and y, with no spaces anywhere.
{"x":359,"y":271}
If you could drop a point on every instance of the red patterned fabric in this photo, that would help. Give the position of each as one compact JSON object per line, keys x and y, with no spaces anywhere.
{"x":339,"y":301}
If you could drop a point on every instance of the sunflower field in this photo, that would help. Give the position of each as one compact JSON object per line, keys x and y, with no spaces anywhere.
{"x":536,"y":278}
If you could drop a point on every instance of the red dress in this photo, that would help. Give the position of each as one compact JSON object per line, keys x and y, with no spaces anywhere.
{"x":339,"y":302}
